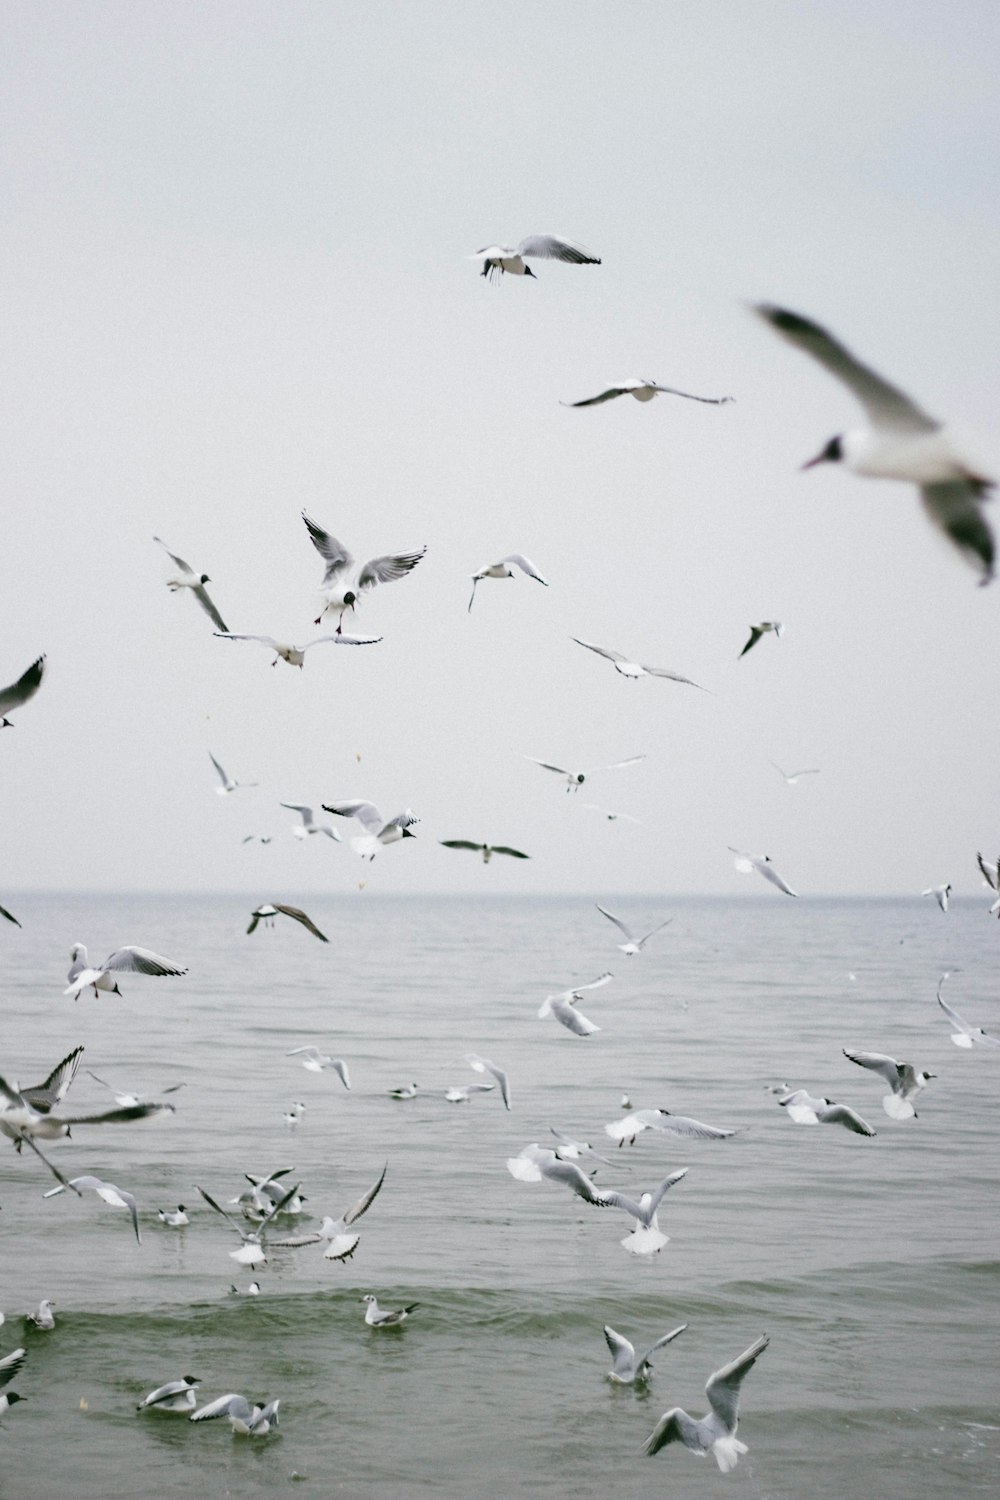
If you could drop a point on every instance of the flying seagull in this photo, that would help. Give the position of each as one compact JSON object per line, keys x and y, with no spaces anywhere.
{"x":645,"y":1236}
{"x":904,"y":1080}
{"x":632,"y":944}
{"x":503,"y":569}
{"x":500,"y":258}
{"x":486,"y":850}
{"x":630,"y":1368}
{"x":575,"y":779}
{"x":991,"y":875}
{"x":187,"y":578}
{"x":252,"y":1251}
{"x":316,"y":1061}
{"x":562,"y":1006}
{"x":336,"y":1234}
{"x":638,"y":1120}
{"x":309,"y":826}
{"x":805,"y":1110}
{"x":108,"y":1193}
{"x":962,"y":1034}
{"x":900,"y":442}
{"x":340,"y":589}
{"x":228,"y":784}
{"x":483,"y":1065}
{"x":127,"y":960}
{"x":267,"y":914}
{"x":645,"y":390}
{"x":378,"y":833}
{"x":940,"y":894}
{"x":629,"y":668}
{"x":714,"y":1433}
{"x":19,"y":692}
{"x":746,"y":863}
{"x":52,"y":1090}
{"x":791,"y":777}
{"x":296,"y":655}
{"x":757,"y":631}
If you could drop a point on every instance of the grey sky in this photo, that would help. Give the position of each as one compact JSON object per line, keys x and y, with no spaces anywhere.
{"x":237,"y":284}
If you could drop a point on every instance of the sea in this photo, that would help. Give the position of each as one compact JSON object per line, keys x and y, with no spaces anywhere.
{"x":873,"y":1264}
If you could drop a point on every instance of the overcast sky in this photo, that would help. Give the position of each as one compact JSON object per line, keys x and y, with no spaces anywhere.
{"x":237,"y":284}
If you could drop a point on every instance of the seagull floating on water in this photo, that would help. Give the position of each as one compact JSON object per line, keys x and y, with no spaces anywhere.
{"x":629,"y":668}
{"x":904,"y":1080}
{"x":176,"y":1395}
{"x":340,"y":591}
{"x":187,"y":578}
{"x":503,"y":569}
{"x":19,"y":692}
{"x":127,"y":960}
{"x":406,"y":1091}
{"x":176,"y":1218}
{"x":757,"y":631}
{"x":962,"y":1034}
{"x":575,"y":779}
{"x":385,"y":1317}
{"x":43,"y":1318}
{"x":746,"y":863}
{"x":510,"y":258}
{"x":296,"y":655}
{"x":630,"y":1368}
{"x":562,"y":1006}
{"x":714,"y":1433}
{"x":267,"y":914}
{"x":632,"y":944}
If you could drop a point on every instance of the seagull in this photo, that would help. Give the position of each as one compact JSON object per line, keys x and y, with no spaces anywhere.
{"x":645,"y":390}
{"x":461,"y":1093}
{"x":503,"y":569}
{"x":253,"y":1290}
{"x":406,"y":1091}
{"x":176,"y":1218}
{"x":612,"y":817}
{"x":126,"y":1099}
{"x":22,"y":1122}
{"x":791,"y":777}
{"x":257,"y":838}
{"x":990,"y":873}
{"x":900,"y":442}
{"x":309,"y":825}
{"x":43,"y":1318}
{"x":500,"y":258}
{"x":294,"y":1113}
{"x":316,"y":1061}
{"x":962,"y":1034}
{"x":257,"y":1201}
{"x":629,"y":668}
{"x":296,"y":655}
{"x":569,"y":1149}
{"x":486,"y":850}
{"x":127,"y":960}
{"x":716,"y":1432}
{"x":108,"y":1193}
{"x":483,"y":1065}
{"x":630,"y":1368}
{"x":756,"y":631}
{"x":645,"y":1237}
{"x":638,"y":1120}
{"x":19,"y":692}
{"x":267,"y":914}
{"x":534,"y":1162}
{"x":575,"y":779}
{"x":903,"y":1079}
{"x":632,"y":944}
{"x":562,"y":1007}
{"x":176,"y":1395}
{"x":247,"y":1420}
{"x":252,"y":1251}
{"x":377,"y":832}
{"x":9,"y":1366}
{"x":805,"y":1110}
{"x":940,"y":894}
{"x":335,"y":1233}
{"x":384,"y":1317}
{"x":42,"y":1097}
{"x":745,"y":863}
{"x":228,"y":784}
{"x":187,"y":578}
{"x":339,"y":590}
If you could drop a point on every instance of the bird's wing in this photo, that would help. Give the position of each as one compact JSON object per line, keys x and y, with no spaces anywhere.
{"x":388,"y":568}
{"x":219,"y":1210}
{"x":254,"y":919}
{"x":366,"y":813}
{"x":221,"y":773}
{"x":24,"y":688}
{"x":675,"y":1425}
{"x":990,"y":873}
{"x":684,"y":1125}
{"x":505,"y":849}
{"x":201,"y":594}
{"x":184,"y":567}
{"x":878,"y":1062}
{"x":573,"y":1020}
{"x":294,"y":1241}
{"x":131,"y":960}
{"x":43,"y":1095}
{"x":954,"y":506}
{"x":622,"y":1352}
{"x":952,"y":1014}
{"x":616,"y":765}
{"x":547,"y":765}
{"x":672,"y":676}
{"x":10,"y":1364}
{"x":644,"y":940}
{"x":552,"y":247}
{"x":723,"y":1388}
{"x":333,"y":553}
{"x":343,"y":640}
{"x":573,"y":1177}
{"x":10,"y":917}
{"x":306,"y":813}
{"x":265,"y":640}
{"x":841,"y":1114}
{"x":401,"y":820}
{"x":483,"y":1065}
{"x":595,"y":984}
{"x":366,"y":1200}
{"x":121,"y":1116}
{"x":755,"y":635}
{"x":601,"y":650}
{"x":625,"y":931}
{"x":667,"y":1338}
{"x":520,"y":561}
{"x":765,"y":868}
{"x":608,"y":395}
{"x":233,"y":1405}
{"x":461,"y":844}
{"x":300,"y":916}
{"x":669,"y":390}
{"x":278,"y":1205}
{"x":885,"y":404}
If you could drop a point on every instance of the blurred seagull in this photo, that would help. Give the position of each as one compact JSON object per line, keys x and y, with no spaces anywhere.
{"x":228,"y":784}
{"x":805,"y":1110}
{"x":962,"y":1034}
{"x":645,"y":1236}
{"x":630,"y":1368}
{"x":187,"y":578}
{"x":940,"y":894}
{"x":632,"y":944}
{"x":176,"y":1395}
{"x":645,"y":390}
{"x":903,"y":1079}
{"x":127,"y":960}
{"x":639,"y":1120}
{"x":8,"y":915}
{"x":534,"y":1162}
{"x":296,"y":655}
{"x":43,"y":1318}
{"x":569,"y":1149}
{"x":267,"y":913}
{"x":316,"y":1061}
{"x":385,"y":1317}
{"x":562,"y":1007}
{"x":378,"y":833}
{"x":714,"y":1433}
{"x":791,"y":777}
{"x":336,"y":1234}
{"x":612,"y":817}
{"x":500,"y":258}
{"x":175,"y":1218}
{"x":257,"y":838}
{"x":126,"y":1098}
{"x":462,"y":1092}
{"x":340,"y":592}
{"x":991,"y":875}
{"x":900,"y":442}
{"x":483,"y":1065}
{"x":629,"y":668}
{"x":407,"y":1091}
{"x":503,"y":569}
{"x":51,"y":1091}
{"x":9,"y":1366}
{"x":309,"y":826}
{"x":486,"y":850}
{"x":575,"y":779}
{"x":247,"y":1420}
{"x":108,"y":1193}
{"x":746,"y":863}
{"x":252,"y":1251}
{"x":756,"y":631}
{"x":19,"y":692}
{"x":294,"y":1113}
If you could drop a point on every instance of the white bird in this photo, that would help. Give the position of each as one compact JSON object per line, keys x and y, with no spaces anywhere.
{"x":462,"y":1092}
{"x":378,"y":832}
{"x":385,"y":1317}
{"x":503,"y":569}
{"x":746,"y":863}
{"x":176,"y":1395}
{"x":108,"y":1192}
{"x":296,"y":655}
{"x":632,"y":944}
{"x":406,"y":1091}
{"x":341,"y":590}
{"x":645,"y":1237}
{"x":630,"y":1368}
{"x":629,"y":668}
{"x":483,"y":1065}
{"x":19,"y":692}
{"x":336,"y":1234}
{"x":9,"y":1366}
{"x":757,"y":631}
{"x":791,"y":777}
{"x":575,"y":779}
{"x":991,"y":875}
{"x":714,"y":1433}
{"x":252,"y":1251}
{"x":294,"y":1113}
{"x":127,"y":960}
{"x":900,"y":442}
{"x":267,"y":913}
{"x":510,"y":258}
{"x":940,"y":894}
{"x":962,"y":1034}
{"x":486,"y":850}
{"x":43,"y":1318}
{"x":247,"y":1420}
{"x":309,"y":826}
{"x":316,"y":1061}
{"x":904,"y":1080}
{"x":176,"y":1218}
{"x":804,"y":1109}
{"x":228,"y":784}
{"x":535,"y":1162}
{"x":638,"y":1120}
{"x":187,"y":578}
{"x":562,"y":1006}
{"x":569,"y":1149}
{"x":126,"y":1098}
{"x":645,"y":390}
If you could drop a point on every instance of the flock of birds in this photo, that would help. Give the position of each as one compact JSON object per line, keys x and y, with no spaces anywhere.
{"x":899,"y":441}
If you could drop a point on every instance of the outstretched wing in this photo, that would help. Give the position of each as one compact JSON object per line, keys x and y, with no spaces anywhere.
{"x":300,"y":916}
{"x":388,"y":568}
{"x":553,"y":247}
{"x":178,"y":561}
{"x":366,"y":1200}
{"x":723,"y":1388}
{"x":131,"y":960}
{"x":601,"y":650}
{"x":333,"y":553}
{"x":54,"y":1088}
{"x":25,"y":687}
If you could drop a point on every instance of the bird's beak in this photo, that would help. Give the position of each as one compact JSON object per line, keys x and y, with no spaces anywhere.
{"x":811,"y":463}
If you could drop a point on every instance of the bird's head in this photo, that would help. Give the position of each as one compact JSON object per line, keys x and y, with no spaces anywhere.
{"x":831,"y":454}
{"x":12,"y":1396}
{"x":408,"y":833}
{"x":349,"y":599}
{"x":529,"y":272}
{"x":204,"y":578}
